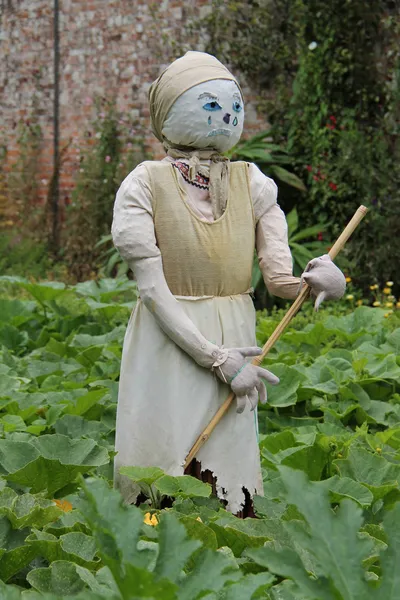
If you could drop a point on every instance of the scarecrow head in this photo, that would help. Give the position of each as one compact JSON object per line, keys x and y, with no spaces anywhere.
{"x":197,"y":104}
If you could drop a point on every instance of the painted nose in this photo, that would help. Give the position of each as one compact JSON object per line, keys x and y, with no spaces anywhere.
{"x":226,"y":118}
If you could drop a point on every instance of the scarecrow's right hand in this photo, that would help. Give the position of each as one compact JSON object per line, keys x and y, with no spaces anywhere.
{"x":244,"y":378}
{"x":229,"y":361}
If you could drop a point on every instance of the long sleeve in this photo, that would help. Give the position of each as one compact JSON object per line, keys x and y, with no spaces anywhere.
{"x":134,"y":236}
{"x":272,"y":246}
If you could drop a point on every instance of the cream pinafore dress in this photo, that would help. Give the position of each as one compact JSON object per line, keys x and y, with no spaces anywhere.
{"x":165,"y":399}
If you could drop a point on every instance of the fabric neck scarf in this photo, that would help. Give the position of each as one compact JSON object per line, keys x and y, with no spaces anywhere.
{"x":217,"y":172}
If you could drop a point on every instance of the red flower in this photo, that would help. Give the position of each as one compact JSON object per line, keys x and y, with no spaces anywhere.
{"x":320,"y":237}
{"x":315,"y":178}
{"x":333,"y":119}
{"x":333,"y":186}
{"x":309,"y":168}
{"x":331,"y":127}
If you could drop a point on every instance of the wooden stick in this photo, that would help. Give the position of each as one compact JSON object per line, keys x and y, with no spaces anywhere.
{"x":295,"y":307}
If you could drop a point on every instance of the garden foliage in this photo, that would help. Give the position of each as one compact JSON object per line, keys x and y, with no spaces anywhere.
{"x":328,"y":522}
{"x":328,"y":80}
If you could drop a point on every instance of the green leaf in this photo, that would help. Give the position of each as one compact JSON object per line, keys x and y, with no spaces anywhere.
{"x":344,"y":487}
{"x":285,"y":393}
{"x":309,"y":232}
{"x":212,"y":571}
{"x":116,"y":529}
{"x":199,"y":531}
{"x":319,"y":378}
{"x":287,"y":590}
{"x":310,"y":458}
{"x":183,"y":486}
{"x":8,"y":385}
{"x":173,"y":535}
{"x":287,"y":177}
{"x":12,"y":338}
{"x":14,"y":560}
{"x":147,"y":475}
{"x":394,"y":340}
{"x":287,"y":563}
{"x":14,"y":555}
{"x":247,"y":586}
{"x":79,"y":544}
{"x":301,"y":254}
{"x":49,"y":462}
{"x":85,"y":402}
{"x":389,"y":588}
{"x":239,"y":535}
{"x":72,"y":547}
{"x":13,"y":423}
{"x":27,"y":510}
{"x":373,"y":471}
{"x":46,"y":291}
{"x":266,"y":507}
{"x":363,"y":320}
{"x":60,"y":578}
{"x":340,"y":563}
{"x":76,"y":427}
{"x":11,"y":310}
{"x":292,"y":220}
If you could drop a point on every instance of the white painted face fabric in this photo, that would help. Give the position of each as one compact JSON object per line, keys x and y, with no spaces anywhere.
{"x":213,"y":116}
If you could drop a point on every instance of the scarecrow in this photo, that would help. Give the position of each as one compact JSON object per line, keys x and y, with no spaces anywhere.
{"x":188,"y":225}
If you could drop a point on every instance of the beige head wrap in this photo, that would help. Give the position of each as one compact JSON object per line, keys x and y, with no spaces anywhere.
{"x":184,"y":73}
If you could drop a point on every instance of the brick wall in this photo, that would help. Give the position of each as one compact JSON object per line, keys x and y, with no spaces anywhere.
{"x":108,"y":47}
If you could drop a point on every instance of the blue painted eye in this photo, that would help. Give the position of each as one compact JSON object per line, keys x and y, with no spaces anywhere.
{"x":237,"y":107}
{"x":213,"y":105}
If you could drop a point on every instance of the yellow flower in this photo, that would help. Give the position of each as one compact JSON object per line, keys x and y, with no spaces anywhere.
{"x":386,"y":291}
{"x":348,"y":279}
{"x":376,"y":303}
{"x":389,"y":304}
{"x":389,"y":283}
{"x":379,"y":450}
{"x":373,"y":287}
{"x":150,"y":519}
{"x":199,"y":519}
{"x":398,"y":305}
{"x":359,"y":302}
{"x":64,"y":505}
{"x":391,"y":298}
{"x":386,"y":315}
{"x":350,"y":297}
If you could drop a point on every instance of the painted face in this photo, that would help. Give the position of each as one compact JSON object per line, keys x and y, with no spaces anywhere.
{"x":208,"y":115}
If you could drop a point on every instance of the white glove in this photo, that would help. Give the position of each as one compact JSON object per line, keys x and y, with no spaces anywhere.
{"x":243,"y":377}
{"x":326,"y":281}
{"x":248,"y":384}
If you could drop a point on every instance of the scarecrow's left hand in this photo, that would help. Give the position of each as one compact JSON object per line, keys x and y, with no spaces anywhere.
{"x":326,"y":281}
{"x":248,"y":385}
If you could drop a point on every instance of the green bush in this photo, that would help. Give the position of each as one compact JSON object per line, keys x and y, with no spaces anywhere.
{"x":112,"y":151}
{"x":26,"y":256}
{"x":328,"y":81}
{"x":340,"y":126}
